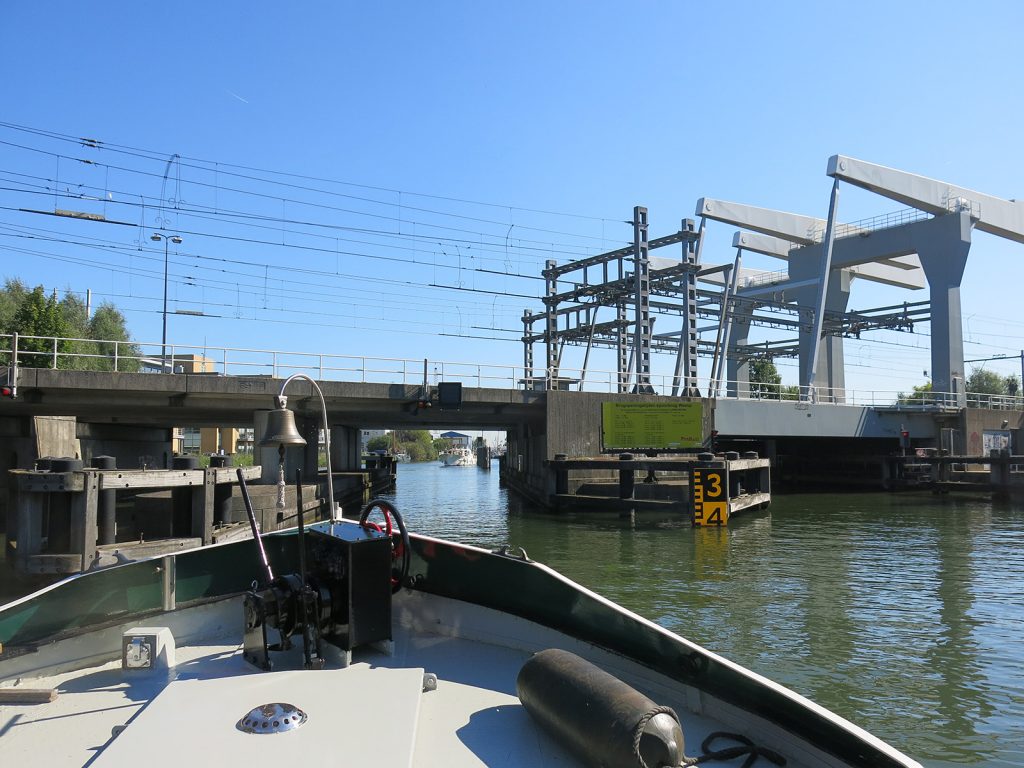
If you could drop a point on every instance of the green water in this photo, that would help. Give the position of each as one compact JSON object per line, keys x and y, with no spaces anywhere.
{"x":901,"y":613}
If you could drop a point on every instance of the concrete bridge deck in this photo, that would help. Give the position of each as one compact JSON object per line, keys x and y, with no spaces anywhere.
{"x":201,"y":399}
{"x":164,"y":399}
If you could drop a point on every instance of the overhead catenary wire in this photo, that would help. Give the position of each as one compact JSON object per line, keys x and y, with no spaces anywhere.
{"x":288,"y":269}
{"x":224,"y":222}
{"x":375,"y":201}
{"x":245,"y":218}
{"x":180,"y":280}
{"x":218,"y":165}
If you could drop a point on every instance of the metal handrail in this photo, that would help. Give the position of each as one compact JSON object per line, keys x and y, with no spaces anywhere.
{"x":233,"y":361}
{"x":875,"y":223}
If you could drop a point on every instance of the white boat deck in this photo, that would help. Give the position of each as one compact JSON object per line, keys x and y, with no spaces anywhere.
{"x":372,"y":713}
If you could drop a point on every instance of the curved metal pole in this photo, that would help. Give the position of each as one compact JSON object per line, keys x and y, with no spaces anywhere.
{"x":327,"y":435}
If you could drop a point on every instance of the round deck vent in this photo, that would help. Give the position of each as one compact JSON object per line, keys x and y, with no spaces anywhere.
{"x":272,"y":718}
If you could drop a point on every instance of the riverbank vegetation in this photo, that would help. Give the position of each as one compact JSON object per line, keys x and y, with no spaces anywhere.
{"x":417,"y":443}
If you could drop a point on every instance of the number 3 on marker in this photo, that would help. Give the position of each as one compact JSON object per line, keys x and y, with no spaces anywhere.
{"x":716,"y":485}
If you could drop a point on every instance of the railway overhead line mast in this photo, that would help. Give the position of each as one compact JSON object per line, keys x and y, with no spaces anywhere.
{"x":612,"y":300}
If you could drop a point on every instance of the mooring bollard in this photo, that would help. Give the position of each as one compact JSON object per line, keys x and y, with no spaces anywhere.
{"x":627,"y":480}
{"x":221,"y":491}
{"x":59,"y":530}
{"x":561,"y":475}
{"x":107,"y":503}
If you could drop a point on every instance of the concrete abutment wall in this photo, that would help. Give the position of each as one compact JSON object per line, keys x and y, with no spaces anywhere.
{"x":573,"y":428}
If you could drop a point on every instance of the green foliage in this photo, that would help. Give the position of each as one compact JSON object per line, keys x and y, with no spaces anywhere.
{"x":982,"y":386}
{"x":984,"y":382}
{"x":380,"y":443}
{"x":765,"y":381}
{"x":237,"y":460}
{"x":38,"y":315}
{"x":418,"y":444}
{"x":32,"y":313}
{"x":921,"y":395}
{"x":420,"y":451}
{"x":415,"y":442}
{"x":13,"y":293}
{"x":108,"y":325}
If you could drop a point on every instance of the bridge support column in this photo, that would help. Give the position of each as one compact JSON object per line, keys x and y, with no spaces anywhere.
{"x":737,"y":371}
{"x":346,"y":451}
{"x":943,"y":249}
{"x":309,"y":428}
{"x":831,"y":374}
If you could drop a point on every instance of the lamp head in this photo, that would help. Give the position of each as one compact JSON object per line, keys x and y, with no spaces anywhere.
{"x":155,"y":237}
{"x":281,"y":429}
{"x":176,"y":240}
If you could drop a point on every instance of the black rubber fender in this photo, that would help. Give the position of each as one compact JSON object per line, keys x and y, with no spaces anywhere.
{"x":596,"y":716}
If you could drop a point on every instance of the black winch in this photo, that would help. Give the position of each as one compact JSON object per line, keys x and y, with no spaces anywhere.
{"x":340,"y":598}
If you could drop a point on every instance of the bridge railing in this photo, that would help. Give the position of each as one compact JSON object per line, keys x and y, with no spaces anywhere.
{"x":153,"y":357}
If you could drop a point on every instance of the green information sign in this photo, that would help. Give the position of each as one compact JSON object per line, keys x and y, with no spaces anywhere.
{"x":651,"y":426}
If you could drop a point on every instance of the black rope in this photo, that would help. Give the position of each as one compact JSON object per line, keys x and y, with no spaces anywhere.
{"x":638,"y":732}
{"x":745,"y":747}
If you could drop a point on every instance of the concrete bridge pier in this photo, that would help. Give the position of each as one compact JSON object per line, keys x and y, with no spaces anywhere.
{"x":309,"y":428}
{"x":346,"y":449}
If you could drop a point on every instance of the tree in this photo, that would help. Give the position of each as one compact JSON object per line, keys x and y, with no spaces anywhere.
{"x":379,"y":443}
{"x":982,"y":386}
{"x":38,"y":316}
{"x":415,"y":442}
{"x":32,"y":313}
{"x":765,"y":381}
{"x":418,"y":444}
{"x":982,"y":382}
{"x":920,"y":395}
{"x":108,"y":326}
{"x":13,"y":293}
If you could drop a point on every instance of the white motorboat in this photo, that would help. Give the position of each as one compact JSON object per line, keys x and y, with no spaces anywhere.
{"x":457,"y":457}
{"x":383,"y":650}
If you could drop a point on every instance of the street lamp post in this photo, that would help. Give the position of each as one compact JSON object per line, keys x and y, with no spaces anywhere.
{"x":156,"y":237}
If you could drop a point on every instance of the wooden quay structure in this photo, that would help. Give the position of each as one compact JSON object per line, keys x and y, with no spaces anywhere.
{"x":62,"y":514}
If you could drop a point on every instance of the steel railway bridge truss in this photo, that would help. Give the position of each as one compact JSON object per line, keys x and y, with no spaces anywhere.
{"x":924,"y":246}
{"x":632,"y":290}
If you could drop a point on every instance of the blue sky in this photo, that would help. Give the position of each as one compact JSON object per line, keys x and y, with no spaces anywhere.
{"x":441,"y":152}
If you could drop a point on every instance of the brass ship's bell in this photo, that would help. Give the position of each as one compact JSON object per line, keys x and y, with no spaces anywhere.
{"x":281,"y":429}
